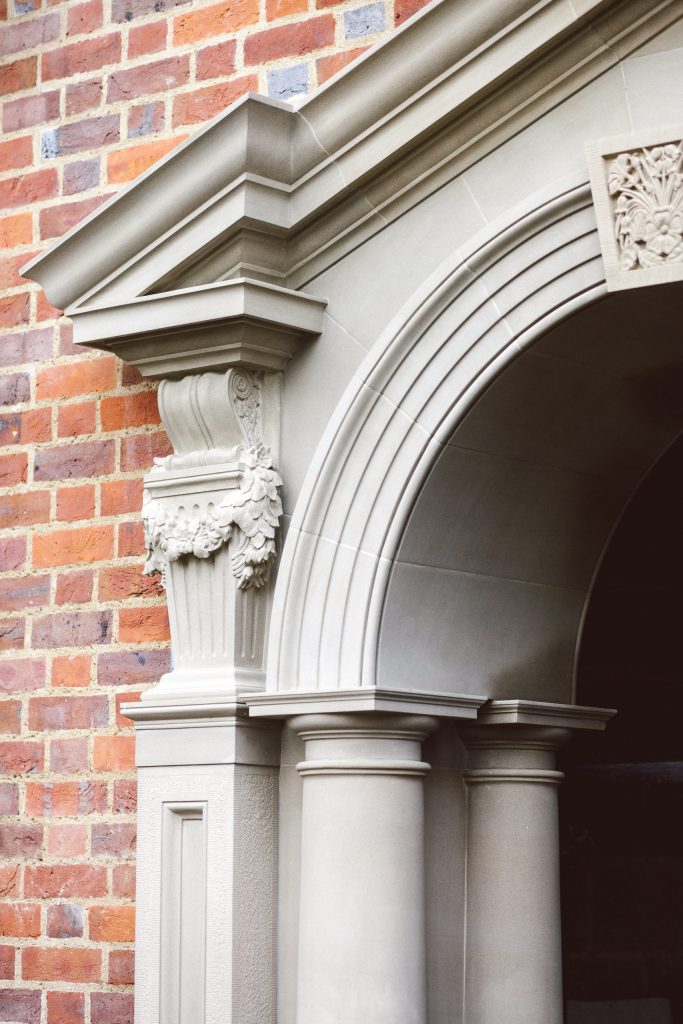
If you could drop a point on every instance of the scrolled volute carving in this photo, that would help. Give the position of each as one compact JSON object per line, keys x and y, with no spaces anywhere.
{"x":646,"y":186}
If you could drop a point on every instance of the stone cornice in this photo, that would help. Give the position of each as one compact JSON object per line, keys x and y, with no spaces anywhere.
{"x":263,"y":171}
{"x":415,"y":702}
{"x":534,"y":712}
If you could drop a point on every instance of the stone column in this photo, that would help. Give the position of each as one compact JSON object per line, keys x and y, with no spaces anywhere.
{"x":362,"y":911}
{"x":513,"y":954}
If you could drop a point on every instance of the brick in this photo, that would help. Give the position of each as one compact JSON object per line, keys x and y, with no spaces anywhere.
{"x":25,"y":35}
{"x":21,"y":757}
{"x":66,"y":342}
{"x":76,"y":418}
{"x":289,"y":40}
{"x":202,"y":104}
{"x":284,"y":8}
{"x":147,"y":38}
{"x":217,"y":61}
{"x":29,"y":188}
{"x":75,"y":503}
{"x":123,"y":881}
{"x":91,"y":133}
{"x":7,"y":958}
{"x":132,"y":668}
{"x":113,"y":840}
{"x":65,"y":799}
{"x":72,"y":380}
{"x":16,"y":153}
{"x":364,"y":21}
{"x":126,"y":10}
{"x":12,"y":556}
{"x":116,"y":583}
{"x":112,"y":923}
{"x":15,"y":309}
{"x":126,"y":164}
{"x":13,"y":469}
{"x":131,"y":540}
{"x":125,"y":697}
{"x":68,"y":461}
{"x":86,"y":55}
{"x":48,"y":713}
{"x":130,"y":375}
{"x":65,"y":1008}
{"x":57,"y":220}
{"x":72,"y":547}
{"x":30,"y":110}
{"x":143,"y":625}
{"x":120,"y":496}
{"x":121,"y":967}
{"x":215,"y":20}
{"x":20,"y":74}
{"x":64,"y":841}
{"x":10,"y":716}
{"x":111,"y":1007}
{"x":71,"y":670}
{"x":9,"y":802}
{"x":59,"y":881}
{"x":20,"y":842}
{"x":30,"y":346}
{"x":72,"y":629}
{"x":68,"y":756}
{"x":84,"y":18}
{"x":146,"y":119}
{"x":10,"y":878}
{"x":20,"y":920}
{"x":12,"y":632}
{"x":80,"y":176}
{"x":20,"y":1006}
{"x":404,"y":9}
{"x":74,"y":587}
{"x":150,"y":77}
{"x":10,"y":267}
{"x":65,"y":920}
{"x":125,"y":795}
{"x":15,"y":230}
{"x":44,"y":309}
{"x":24,"y":592}
{"x":82,"y":96}
{"x":24,"y":509}
{"x":61,"y":964}
{"x":26,"y":427}
{"x":114,"y":753}
{"x":20,"y":675}
{"x":140,"y":450}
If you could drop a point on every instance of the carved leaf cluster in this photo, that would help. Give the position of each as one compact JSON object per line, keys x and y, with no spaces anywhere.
{"x":647,"y":186}
{"x":252,"y":513}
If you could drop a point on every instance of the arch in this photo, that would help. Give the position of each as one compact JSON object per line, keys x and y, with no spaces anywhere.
{"x":473,"y":317}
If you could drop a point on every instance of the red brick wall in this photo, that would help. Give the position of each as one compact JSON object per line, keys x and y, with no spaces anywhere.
{"x":90,"y":95}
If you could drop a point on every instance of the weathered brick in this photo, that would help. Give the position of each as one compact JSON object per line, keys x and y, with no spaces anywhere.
{"x":57,"y":220}
{"x":114,"y":753}
{"x":9,"y":801}
{"x":15,"y":388}
{"x":70,"y":670}
{"x":147,"y":38}
{"x":112,"y":923}
{"x":91,"y":133}
{"x":121,"y":967}
{"x":16,"y":229}
{"x":49,"y":713}
{"x":81,"y":96}
{"x":116,"y":583}
{"x":68,"y":756}
{"x":72,"y":380}
{"x":67,"y":461}
{"x":289,"y":40}
{"x":16,"y":153}
{"x":73,"y":547}
{"x":26,"y":427}
{"x":123,"y":881}
{"x":29,"y":188}
{"x":20,"y":920}
{"x":216,"y":61}
{"x":31,"y":346}
{"x":124,"y":800}
{"x":113,"y":840}
{"x":20,"y":842}
{"x":143,"y":625}
{"x":14,"y":309}
{"x":10,"y":267}
{"x":126,"y":10}
{"x":84,"y":18}
{"x":131,"y":540}
{"x":112,"y":1007}
{"x":12,"y":633}
{"x":61,"y":964}
{"x":284,"y":8}
{"x":65,"y":920}
{"x":20,"y":675}
{"x":21,"y":757}
{"x":28,"y":34}
{"x":66,"y":841}
{"x":146,"y":119}
{"x":120,"y":496}
{"x":24,"y":509}
{"x":65,"y":799}
{"x":215,"y":20}
{"x":28,"y":111}
{"x":7,"y":959}
{"x":20,"y":1006}
{"x":44,"y":309}
{"x":132,"y":668}
{"x":80,"y":176}
{"x":24,"y":592}
{"x":75,"y":503}
{"x":19,"y":74}
{"x":86,"y":55}
{"x":139,"y":450}
{"x":123,"y":165}
{"x":65,"y":1008}
{"x":124,"y":698}
{"x":72,"y":629}
{"x":10,"y":878}
{"x":10,"y":716}
{"x":13,"y":469}
{"x":12,"y":556}
{"x":74,"y":587}
{"x":150,"y":77}
{"x":202,"y":104}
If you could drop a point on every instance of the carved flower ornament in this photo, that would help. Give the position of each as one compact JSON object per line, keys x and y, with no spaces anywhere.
{"x":647,"y":186}
{"x":253,"y":511}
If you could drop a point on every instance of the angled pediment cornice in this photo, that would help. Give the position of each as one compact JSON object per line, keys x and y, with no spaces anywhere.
{"x":271,"y":191}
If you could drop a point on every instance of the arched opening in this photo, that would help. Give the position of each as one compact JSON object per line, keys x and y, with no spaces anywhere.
{"x":622,"y":842}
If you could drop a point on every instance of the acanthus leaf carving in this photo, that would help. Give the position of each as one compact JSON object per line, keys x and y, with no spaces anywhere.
{"x":646,"y":186}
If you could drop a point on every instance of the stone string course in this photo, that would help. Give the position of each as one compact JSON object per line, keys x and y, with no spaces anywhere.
{"x":91,"y":94}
